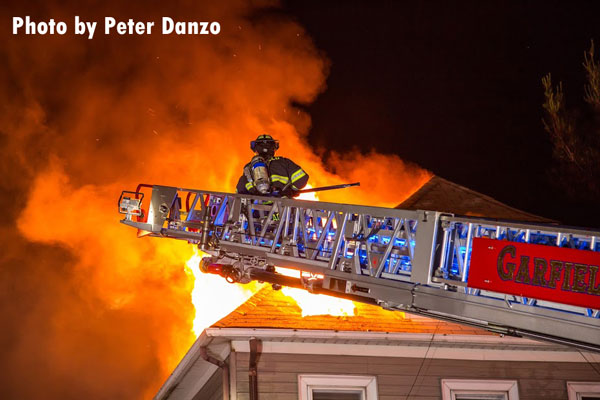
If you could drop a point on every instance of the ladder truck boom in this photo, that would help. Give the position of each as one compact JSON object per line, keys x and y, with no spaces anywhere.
{"x":522,"y":279}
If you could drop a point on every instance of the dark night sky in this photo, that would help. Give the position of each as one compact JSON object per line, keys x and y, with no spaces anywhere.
{"x":454,"y":86}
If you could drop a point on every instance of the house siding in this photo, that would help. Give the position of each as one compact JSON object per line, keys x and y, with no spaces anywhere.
{"x":213,"y":389}
{"x":397,"y":377}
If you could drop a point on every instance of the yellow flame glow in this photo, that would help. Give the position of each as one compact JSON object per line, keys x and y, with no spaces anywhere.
{"x":319,"y":304}
{"x":213,"y":297}
{"x":312,"y":196}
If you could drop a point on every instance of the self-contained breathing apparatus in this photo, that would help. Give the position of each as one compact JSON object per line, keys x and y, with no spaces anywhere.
{"x":258,"y":173}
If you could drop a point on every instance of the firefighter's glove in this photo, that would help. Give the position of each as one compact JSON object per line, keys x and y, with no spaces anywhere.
{"x":289,"y":193}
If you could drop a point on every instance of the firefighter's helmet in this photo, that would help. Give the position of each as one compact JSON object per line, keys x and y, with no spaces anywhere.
{"x":264,"y":145}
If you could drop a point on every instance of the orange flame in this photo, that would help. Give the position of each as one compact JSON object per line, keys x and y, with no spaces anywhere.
{"x":212,"y":296}
{"x":319,"y":304}
{"x":315,"y":304}
{"x":84,"y":121}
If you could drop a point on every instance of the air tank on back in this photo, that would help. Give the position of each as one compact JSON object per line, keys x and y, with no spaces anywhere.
{"x":260,"y":174}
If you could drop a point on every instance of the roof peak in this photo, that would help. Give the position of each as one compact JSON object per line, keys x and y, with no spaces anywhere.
{"x":440,"y":194}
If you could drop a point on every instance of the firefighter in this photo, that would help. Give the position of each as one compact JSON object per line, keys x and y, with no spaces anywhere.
{"x":267,"y":174}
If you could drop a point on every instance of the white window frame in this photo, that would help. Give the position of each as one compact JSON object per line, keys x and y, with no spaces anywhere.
{"x":452,"y":387}
{"x":307,"y":383}
{"x":576,"y":390}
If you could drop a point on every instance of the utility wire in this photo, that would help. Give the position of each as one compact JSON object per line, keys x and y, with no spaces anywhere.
{"x":423,"y":360}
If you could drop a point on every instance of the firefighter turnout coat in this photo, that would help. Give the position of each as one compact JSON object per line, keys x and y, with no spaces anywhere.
{"x":281,"y":172}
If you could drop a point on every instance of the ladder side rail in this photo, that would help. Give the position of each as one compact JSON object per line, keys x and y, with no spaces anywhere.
{"x":532,"y":226}
{"x":520,"y":233}
{"x":374,"y":230}
{"x":385,"y":212}
{"x":379,"y":212}
{"x":317,"y":206}
{"x":250,"y":229}
{"x":484,"y":312}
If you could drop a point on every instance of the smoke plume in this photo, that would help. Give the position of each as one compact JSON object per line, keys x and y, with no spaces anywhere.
{"x":89,"y":311}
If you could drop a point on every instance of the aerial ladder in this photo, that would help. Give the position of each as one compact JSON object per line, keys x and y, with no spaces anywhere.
{"x":532,"y":280}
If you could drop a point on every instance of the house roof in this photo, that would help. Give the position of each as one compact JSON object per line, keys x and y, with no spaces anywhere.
{"x":277,"y":321}
{"x":440,"y":194}
{"x":269,"y":308}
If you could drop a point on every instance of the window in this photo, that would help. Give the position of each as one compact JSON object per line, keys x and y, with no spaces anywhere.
{"x":470,"y":389}
{"x":336,"y":394}
{"x":583,"y":390}
{"x":337,"y":387}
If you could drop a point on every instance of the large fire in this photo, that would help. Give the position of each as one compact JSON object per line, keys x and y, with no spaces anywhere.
{"x":83,"y":120}
{"x":209,"y":287}
{"x":212,"y":296}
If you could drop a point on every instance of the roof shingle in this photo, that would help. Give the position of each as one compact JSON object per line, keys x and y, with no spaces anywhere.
{"x":269,"y":308}
{"x":439,"y":194}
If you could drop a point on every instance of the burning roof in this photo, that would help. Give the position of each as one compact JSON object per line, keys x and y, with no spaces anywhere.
{"x":274,"y":309}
